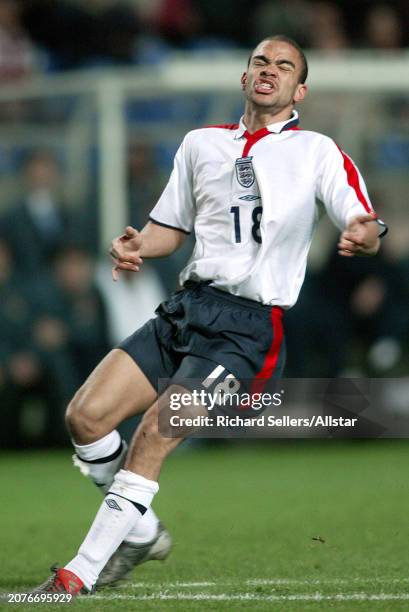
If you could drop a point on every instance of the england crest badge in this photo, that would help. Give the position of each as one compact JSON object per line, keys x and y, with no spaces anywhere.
{"x":244,"y":171}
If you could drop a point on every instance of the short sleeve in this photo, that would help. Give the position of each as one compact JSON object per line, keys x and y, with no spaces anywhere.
{"x":175,"y":208}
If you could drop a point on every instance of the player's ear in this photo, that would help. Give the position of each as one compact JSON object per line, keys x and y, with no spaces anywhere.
{"x":300,"y":92}
{"x":243,"y":80}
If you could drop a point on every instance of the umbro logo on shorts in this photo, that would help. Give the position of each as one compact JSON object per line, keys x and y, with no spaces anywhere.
{"x":111,"y":503}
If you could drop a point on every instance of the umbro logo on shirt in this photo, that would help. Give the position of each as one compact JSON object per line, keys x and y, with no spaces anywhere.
{"x":250,"y":198}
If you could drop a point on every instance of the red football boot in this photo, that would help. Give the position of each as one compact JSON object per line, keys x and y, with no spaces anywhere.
{"x":62,"y":581}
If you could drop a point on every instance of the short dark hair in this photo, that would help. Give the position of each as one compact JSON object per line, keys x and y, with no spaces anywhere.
{"x":293,"y":43}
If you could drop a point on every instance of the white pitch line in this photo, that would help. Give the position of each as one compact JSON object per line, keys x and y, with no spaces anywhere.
{"x":252,"y":597}
{"x":168,"y":585}
{"x":323,"y":581}
{"x":266,"y":582}
{"x":194,"y":584}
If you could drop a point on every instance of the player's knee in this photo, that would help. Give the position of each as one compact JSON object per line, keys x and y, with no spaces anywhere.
{"x":82,"y":418}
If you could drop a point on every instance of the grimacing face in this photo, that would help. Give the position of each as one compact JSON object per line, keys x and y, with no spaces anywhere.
{"x":272,"y":78}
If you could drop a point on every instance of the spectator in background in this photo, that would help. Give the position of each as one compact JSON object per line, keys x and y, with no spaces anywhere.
{"x":80,"y":305}
{"x":20,"y":370}
{"x":389,"y":352}
{"x":117,"y":30}
{"x":33,"y":345}
{"x":375,"y":310}
{"x":18,"y":56}
{"x":178,"y":22}
{"x":144,"y":185}
{"x":55,"y":333}
{"x":146,"y":9}
{"x":383,"y":28}
{"x":326,"y":27}
{"x":69,"y":311}
{"x":80,"y":34}
{"x":288,"y":16}
{"x":226,"y":21}
{"x":351,"y":315}
{"x":39,"y":224}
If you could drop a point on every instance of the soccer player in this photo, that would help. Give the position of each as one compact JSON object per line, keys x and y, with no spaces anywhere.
{"x":252,"y":193}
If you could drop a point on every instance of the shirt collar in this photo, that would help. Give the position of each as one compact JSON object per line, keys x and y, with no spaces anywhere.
{"x":274,"y":128}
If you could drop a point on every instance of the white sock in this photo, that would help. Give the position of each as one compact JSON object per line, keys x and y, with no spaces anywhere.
{"x":102,"y":474}
{"x":145,"y":529}
{"x":125,"y":504}
{"x":102,"y":459}
{"x":101,"y":448}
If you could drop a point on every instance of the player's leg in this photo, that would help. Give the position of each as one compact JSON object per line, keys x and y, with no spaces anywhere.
{"x":116,"y":390}
{"x":122,"y":385}
{"x":116,"y":519}
{"x":128,"y":500}
{"x":148,"y":450}
{"x":149,"y":447}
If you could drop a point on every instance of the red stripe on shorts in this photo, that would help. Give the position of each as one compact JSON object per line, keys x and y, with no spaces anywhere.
{"x":271,"y":358}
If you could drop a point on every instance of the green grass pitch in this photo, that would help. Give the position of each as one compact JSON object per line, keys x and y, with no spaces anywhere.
{"x":270,"y":526}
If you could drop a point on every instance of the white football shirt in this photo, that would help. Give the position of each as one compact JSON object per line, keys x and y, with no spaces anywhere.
{"x":253,"y":202}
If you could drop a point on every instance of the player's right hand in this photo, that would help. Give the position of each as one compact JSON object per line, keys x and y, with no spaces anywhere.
{"x":125,"y":252}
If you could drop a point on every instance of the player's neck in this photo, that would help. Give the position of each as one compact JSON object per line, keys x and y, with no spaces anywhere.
{"x":255,"y":118}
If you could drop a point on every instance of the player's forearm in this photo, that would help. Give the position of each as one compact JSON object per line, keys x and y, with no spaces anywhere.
{"x":159,"y":241}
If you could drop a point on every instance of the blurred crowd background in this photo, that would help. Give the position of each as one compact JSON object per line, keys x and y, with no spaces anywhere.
{"x":54,"y":35}
{"x":59,"y":311}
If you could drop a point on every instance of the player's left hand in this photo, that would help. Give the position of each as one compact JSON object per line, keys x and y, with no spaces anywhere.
{"x":360,"y":237}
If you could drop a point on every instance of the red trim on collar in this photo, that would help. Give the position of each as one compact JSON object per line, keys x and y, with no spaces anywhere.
{"x":251,"y":139}
{"x":225,"y":126}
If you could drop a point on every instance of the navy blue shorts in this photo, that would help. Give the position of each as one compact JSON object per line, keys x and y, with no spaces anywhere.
{"x":203,"y":333}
